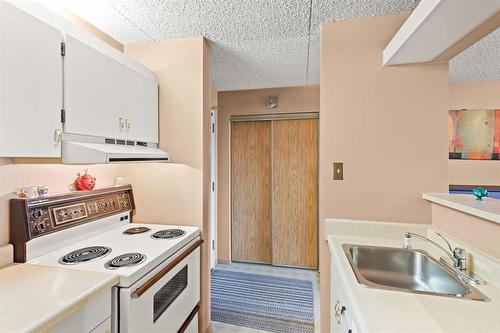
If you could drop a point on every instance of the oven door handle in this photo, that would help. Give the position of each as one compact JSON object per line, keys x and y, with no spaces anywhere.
{"x":149,"y":283}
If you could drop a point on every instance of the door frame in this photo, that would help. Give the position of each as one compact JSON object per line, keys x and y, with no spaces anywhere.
{"x":268,"y":117}
{"x":275,"y":116}
{"x":213,"y":189}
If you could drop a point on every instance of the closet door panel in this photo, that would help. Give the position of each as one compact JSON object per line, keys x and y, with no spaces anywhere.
{"x":251,"y":191}
{"x":295,"y":193}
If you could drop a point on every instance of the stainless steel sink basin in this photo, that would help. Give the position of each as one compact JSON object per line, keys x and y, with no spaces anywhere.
{"x":412,"y":271}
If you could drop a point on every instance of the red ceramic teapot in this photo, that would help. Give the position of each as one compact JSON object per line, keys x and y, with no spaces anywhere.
{"x":84,"y":182}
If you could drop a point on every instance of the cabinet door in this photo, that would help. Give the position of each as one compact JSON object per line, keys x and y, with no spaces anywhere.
{"x":93,"y":91}
{"x":93,"y":317}
{"x":336,"y":301}
{"x":342,"y":319}
{"x":30,"y":85}
{"x":142,"y":109}
{"x":101,"y":90}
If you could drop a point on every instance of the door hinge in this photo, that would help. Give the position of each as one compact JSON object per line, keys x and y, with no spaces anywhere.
{"x":213,"y":244}
{"x":213,"y":128}
{"x":63,"y":115}
{"x":63,"y":49}
{"x":213,"y":186}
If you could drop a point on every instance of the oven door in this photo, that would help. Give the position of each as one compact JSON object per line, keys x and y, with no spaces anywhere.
{"x":164,"y":299}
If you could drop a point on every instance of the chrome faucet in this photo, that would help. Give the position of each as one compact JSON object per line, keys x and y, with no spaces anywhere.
{"x":457,"y":255}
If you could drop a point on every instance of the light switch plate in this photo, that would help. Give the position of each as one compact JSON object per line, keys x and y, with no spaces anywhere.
{"x":338,"y":171}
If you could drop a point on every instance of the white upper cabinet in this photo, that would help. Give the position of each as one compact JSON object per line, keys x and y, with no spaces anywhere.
{"x":107,"y":94}
{"x":104,"y":94}
{"x":30,"y":85}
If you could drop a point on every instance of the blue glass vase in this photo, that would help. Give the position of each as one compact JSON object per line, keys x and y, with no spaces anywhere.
{"x":480,"y":193}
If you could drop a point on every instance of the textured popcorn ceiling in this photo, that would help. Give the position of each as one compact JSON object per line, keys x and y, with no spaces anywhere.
{"x":259,"y":43}
{"x":480,"y":62}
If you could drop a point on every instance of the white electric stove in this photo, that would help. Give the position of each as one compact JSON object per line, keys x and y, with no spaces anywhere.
{"x":158,"y":265}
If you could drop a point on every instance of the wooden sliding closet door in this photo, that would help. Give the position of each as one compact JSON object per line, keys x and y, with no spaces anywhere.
{"x":295,"y":192}
{"x":251,"y":191}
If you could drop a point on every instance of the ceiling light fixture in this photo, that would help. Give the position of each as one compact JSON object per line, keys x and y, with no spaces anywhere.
{"x":272,"y":102}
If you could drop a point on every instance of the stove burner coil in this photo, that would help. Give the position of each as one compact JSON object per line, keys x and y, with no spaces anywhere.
{"x":125,"y":260}
{"x":168,"y":234}
{"x":85,"y":254}
{"x":136,"y":230}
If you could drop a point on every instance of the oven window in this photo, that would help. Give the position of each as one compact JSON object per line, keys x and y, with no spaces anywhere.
{"x":169,"y":292}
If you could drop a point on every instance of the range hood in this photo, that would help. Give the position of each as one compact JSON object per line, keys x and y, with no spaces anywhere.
{"x":104,"y":150}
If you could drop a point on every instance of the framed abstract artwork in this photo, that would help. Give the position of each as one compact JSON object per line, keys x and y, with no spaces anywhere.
{"x":474,"y":134}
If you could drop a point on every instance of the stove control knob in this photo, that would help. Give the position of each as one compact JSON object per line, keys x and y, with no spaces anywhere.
{"x":37,"y":213}
{"x":40,"y":226}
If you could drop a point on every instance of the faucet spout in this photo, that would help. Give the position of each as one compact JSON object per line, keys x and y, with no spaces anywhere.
{"x":458,"y":256}
{"x":407,"y":244}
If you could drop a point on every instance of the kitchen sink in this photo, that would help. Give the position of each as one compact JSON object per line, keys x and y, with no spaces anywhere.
{"x":413,"y":271}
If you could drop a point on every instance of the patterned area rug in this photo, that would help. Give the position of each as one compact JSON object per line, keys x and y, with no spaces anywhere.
{"x":262,"y":302}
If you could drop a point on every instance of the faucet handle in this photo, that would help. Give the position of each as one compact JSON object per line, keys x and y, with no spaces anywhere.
{"x":460,"y":256}
{"x":407,"y":241}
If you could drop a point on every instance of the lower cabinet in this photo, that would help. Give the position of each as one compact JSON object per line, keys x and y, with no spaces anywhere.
{"x":342,"y":318}
{"x":94,"y":317}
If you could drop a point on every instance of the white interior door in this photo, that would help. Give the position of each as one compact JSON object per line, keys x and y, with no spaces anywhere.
{"x":30,"y":85}
{"x":213,"y":201}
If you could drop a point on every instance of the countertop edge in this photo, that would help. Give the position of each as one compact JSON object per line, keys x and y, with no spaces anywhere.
{"x":484,"y":214}
{"x":62,"y":306}
{"x":74,"y":305}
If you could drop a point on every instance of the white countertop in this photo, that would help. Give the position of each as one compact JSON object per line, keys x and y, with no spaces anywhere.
{"x":488,"y":208}
{"x":35,"y":298}
{"x":386,"y":311}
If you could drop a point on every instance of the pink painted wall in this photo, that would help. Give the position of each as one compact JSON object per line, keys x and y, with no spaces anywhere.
{"x":387,"y":124}
{"x":180,"y":194}
{"x":480,"y":233}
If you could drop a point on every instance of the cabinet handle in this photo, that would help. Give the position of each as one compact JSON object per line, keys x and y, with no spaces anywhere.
{"x":127,"y":124}
{"x":337,"y":311}
{"x":122,"y":123}
{"x":57,"y":136}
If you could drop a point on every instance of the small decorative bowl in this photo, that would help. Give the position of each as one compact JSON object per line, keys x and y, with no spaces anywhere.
{"x":480,"y":193}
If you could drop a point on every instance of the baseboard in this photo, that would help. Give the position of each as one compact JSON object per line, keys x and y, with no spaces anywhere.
{"x":223,"y":261}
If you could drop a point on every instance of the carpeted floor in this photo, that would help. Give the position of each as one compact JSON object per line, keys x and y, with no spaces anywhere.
{"x":263,"y":302}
